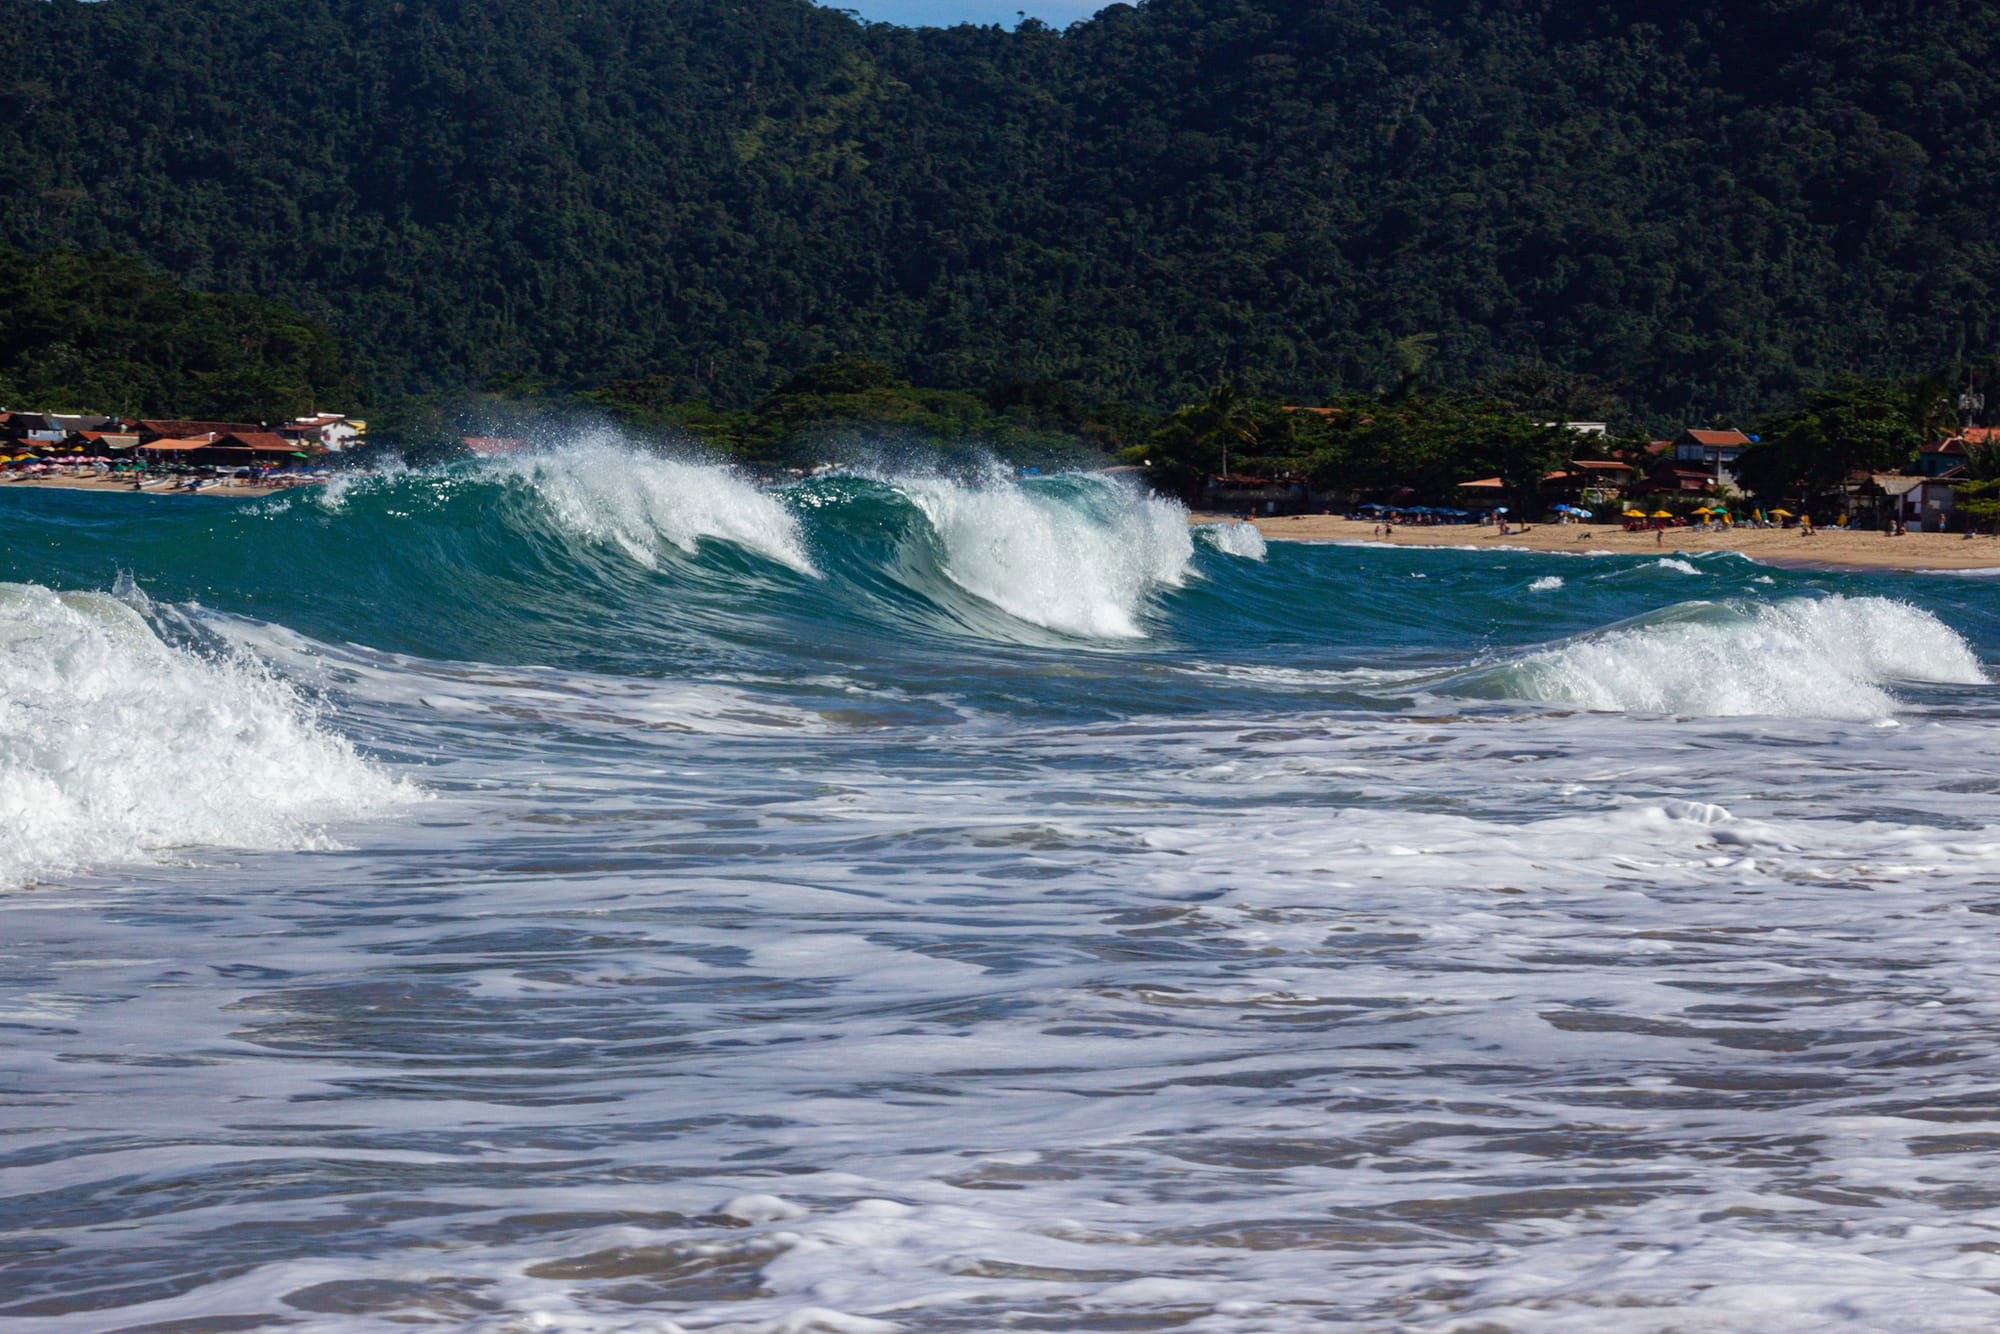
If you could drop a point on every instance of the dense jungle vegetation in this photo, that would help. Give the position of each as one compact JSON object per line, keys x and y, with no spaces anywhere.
{"x":1712,"y":207}
{"x":106,"y":333}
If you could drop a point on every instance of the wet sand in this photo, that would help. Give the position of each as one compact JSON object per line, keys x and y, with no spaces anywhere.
{"x":1827,"y":547}
{"x":158,"y":486}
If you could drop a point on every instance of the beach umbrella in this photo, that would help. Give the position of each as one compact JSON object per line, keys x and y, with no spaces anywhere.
{"x":1659,"y":514}
{"x":1781,"y":514}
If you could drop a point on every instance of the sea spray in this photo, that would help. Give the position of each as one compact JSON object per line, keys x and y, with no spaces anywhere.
{"x":1076,"y":554}
{"x":1826,"y":657}
{"x":643,"y":503}
{"x":115,"y":746}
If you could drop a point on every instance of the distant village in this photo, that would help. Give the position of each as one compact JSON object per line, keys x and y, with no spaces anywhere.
{"x":39,"y":441}
{"x":1676,"y":476}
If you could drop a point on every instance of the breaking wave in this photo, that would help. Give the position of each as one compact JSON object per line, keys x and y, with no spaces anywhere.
{"x":116,"y":746}
{"x":1236,"y":539}
{"x":1832,"y":657}
{"x":1076,"y":554}
{"x":642,"y":503}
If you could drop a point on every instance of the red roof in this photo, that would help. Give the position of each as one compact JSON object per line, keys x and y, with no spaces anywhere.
{"x":198,"y":442}
{"x":183,"y":429}
{"x":1953,"y":446}
{"x":259,"y":440}
{"x":1600,"y":465}
{"x":1715,"y":439}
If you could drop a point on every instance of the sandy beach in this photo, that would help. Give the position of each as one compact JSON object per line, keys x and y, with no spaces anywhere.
{"x":1832,"y":547}
{"x":156,"y":486}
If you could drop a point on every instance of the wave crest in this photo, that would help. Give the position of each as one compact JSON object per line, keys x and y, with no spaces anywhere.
{"x":603,"y":491}
{"x":1236,"y":539}
{"x":1826,"y":657}
{"x":1076,"y":554}
{"x":115,"y":745}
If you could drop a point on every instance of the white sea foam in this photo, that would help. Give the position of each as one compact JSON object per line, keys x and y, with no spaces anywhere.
{"x":115,"y":746}
{"x":1674,"y":563}
{"x":1235,"y":539}
{"x":525,"y":697}
{"x":1810,"y":658}
{"x":1547,"y":583}
{"x":331,"y":495}
{"x":1078,"y":555}
{"x":644,"y":503}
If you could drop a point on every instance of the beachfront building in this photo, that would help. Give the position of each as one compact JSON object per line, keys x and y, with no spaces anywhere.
{"x":228,"y":449}
{"x":1922,"y":504}
{"x":326,"y":430}
{"x":1712,"y":452}
{"x":1942,"y":457}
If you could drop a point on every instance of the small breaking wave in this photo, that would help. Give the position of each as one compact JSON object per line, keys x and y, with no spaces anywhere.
{"x":1235,"y":539}
{"x":642,"y":503}
{"x":116,"y":746}
{"x":1830,"y":657}
{"x":1075,"y":554}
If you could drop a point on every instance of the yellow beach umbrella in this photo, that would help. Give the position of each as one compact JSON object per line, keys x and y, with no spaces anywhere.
{"x":1706,"y":510}
{"x":1635,"y":514}
{"x":1782,"y":514}
{"x":1659,"y":514}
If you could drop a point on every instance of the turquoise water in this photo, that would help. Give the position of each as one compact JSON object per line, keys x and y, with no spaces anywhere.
{"x":592,"y":892}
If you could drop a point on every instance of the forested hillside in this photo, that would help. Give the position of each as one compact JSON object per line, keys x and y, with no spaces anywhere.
{"x":1711,"y":205}
{"x":106,"y":333}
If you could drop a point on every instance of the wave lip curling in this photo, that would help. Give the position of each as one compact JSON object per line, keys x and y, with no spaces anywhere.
{"x":1073,"y":554}
{"x":604,"y":492}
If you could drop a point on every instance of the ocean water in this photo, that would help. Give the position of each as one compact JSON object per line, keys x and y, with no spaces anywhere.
{"x":592,"y":893}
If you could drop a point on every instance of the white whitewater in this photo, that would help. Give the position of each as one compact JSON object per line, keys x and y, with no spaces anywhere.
{"x":645,"y":504}
{"x":115,"y":746}
{"x":1079,"y":555}
{"x":1236,"y":539}
{"x":1832,"y":657}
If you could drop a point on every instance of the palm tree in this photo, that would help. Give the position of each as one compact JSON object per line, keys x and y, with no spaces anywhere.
{"x":1224,"y":416}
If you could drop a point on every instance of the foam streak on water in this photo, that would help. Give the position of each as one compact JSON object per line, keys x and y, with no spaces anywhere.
{"x":1270,"y":945}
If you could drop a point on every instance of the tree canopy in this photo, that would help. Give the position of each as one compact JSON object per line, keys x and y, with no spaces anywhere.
{"x":103,"y":333}
{"x":1711,"y":207}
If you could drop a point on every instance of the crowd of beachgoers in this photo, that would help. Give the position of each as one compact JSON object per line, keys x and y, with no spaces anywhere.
{"x":93,"y":475}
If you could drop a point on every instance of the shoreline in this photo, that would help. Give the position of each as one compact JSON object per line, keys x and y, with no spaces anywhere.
{"x":1826,"y":549}
{"x":163,"y":486}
